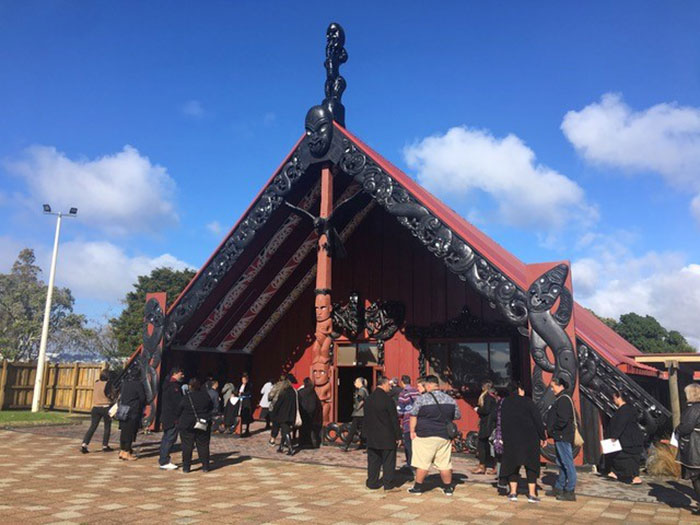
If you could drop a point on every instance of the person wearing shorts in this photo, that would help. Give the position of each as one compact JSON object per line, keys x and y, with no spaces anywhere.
{"x":430,"y":443}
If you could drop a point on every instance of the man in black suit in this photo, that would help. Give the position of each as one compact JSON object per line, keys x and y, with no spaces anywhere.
{"x":383,"y":433}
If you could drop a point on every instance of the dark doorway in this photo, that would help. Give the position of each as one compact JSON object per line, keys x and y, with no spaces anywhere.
{"x":346,"y":378}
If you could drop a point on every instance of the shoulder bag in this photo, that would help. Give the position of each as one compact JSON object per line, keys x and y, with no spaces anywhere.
{"x":450,"y":427}
{"x":578,"y":439}
{"x":199,"y":423}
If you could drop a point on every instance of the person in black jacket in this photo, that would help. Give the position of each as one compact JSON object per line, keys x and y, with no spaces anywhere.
{"x":623,"y":426}
{"x":688,"y":434}
{"x":309,"y":406}
{"x":284,"y":413}
{"x":523,"y":434}
{"x":195,"y":405}
{"x":560,"y":427}
{"x":170,"y":398}
{"x":486,"y":409}
{"x":383,"y":433}
{"x":134,"y":396}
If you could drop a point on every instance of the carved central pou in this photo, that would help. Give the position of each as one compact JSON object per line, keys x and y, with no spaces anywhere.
{"x":321,"y":369}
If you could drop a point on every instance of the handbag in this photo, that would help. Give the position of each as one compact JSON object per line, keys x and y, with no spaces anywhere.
{"x":199,"y":423}
{"x":578,"y":439}
{"x":496,"y":437}
{"x":113,"y":410}
{"x":450,"y":427}
{"x":297,"y":419}
{"x":122,"y":413}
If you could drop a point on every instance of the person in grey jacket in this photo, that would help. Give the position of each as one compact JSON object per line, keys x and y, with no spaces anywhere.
{"x":688,"y":433}
{"x":358,"y":412}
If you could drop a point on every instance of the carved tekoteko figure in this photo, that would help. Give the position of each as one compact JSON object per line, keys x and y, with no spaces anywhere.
{"x":321,"y":353}
{"x":319,"y":130}
{"x":335,"y":83}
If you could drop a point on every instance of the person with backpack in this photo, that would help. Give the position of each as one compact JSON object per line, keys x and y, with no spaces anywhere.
{"x":561,"y":421}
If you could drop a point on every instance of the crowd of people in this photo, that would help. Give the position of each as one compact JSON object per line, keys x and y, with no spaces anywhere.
{"x":512,"y":433}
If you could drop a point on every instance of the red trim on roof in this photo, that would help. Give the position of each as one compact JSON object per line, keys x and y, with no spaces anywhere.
{"x":244,"y":214}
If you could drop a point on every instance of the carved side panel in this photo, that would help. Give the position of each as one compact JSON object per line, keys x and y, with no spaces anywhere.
{"x":152,"y":351}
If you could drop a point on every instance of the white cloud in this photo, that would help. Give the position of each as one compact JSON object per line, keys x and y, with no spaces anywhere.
{"x":612,"y":281}
{"x":193,"y":108}
{"x":215,"y":227}
{"x":664,"y":138}
{"x":119,"y":193}
{"x":103,"y":271}
{"x":527,"y":194}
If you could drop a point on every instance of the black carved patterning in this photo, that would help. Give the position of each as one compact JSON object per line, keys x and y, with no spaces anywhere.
{"x":336,"y":55}
{"x":151,"y":352}
{"x":598,"y":380}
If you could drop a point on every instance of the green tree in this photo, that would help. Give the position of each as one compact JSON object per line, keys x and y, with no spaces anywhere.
{"x":647,"y":334}
{"x":22,"y":302}
{"x":127,"y":327}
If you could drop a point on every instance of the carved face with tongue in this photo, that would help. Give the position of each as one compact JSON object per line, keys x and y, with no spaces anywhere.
{"x":319,"y":130}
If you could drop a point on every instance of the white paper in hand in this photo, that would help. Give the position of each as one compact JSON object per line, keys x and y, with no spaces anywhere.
{"x":609,"y":446}
{"x":674,"y":440}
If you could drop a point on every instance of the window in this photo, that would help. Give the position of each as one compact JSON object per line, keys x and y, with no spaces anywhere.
{"x":465,"y":364}
{"x":359,"y":354}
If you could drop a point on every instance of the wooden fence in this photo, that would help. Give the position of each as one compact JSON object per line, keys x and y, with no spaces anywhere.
{"x":66,"y":386}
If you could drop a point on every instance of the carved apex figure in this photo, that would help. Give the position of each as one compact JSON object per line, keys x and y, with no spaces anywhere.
{"x":319,"y":130}
{"x":321,"y":352}
{"x":335,"y":83}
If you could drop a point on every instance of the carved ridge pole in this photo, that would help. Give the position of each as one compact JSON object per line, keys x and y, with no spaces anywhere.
{"x":321,"y":362}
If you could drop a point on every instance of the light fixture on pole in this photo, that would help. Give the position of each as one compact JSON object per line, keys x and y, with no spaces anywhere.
{"x":41,"y":360}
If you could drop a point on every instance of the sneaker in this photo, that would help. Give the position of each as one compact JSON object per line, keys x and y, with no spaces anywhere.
{"x":415,"y":489}
{"x":84,"y":449}
{"x":567,"y":496}
{"x":107,"y":448}
{"x":533,"y":499}
{"x":448,"y":490}
{"x":513,"y":497}
{"x":553,"y":493}
{"x":169,"y":466}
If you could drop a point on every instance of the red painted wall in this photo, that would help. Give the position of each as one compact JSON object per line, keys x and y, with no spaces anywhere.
{"x":384,"y":263}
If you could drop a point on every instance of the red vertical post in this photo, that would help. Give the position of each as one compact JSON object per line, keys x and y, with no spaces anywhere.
{"x":321,"y":366}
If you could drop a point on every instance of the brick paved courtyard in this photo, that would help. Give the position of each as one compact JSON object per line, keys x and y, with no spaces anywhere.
{"x":44,"y":479}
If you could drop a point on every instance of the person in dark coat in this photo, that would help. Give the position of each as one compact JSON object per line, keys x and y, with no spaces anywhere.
{"x":195,"y":405}
{"x":486,"y":409}
{"x":284,"y":413}
{"x":523,"y":434}
{"x":383,"y":433}
{"x":623,"y":426}
{"x":309,"y":406}
{"x":245,"y":395}
{"x":688,"y":434}
{"x":560,"y":427}
{"x":358,"y":412}
{"x":134,"y":396}
{"x":169,"y":405}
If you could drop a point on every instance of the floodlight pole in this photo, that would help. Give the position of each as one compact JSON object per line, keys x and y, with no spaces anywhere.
{"x":41,"y":361}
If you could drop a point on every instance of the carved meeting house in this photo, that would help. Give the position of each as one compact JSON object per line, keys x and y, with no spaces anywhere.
{"x":345,"y":267}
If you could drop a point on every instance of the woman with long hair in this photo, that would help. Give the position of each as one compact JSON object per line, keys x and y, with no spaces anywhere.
{"x":688,"y":433}
{"x":284,"y":413}
{"x":193,"y":413}
{"x":486,"y":409}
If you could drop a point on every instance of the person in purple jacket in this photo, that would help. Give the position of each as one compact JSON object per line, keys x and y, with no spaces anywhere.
{"x":407,"y":397}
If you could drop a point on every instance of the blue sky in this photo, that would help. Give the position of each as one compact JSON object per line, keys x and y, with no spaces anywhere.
{"x":564,"y":130}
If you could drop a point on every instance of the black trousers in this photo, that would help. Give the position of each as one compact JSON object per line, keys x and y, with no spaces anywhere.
{"x":286,"y":429}
{"x":275,"y":430}
{"x":380,"y":459}
{"x":128,"y":434}
{"x":97,"y":414}
{"x":532,"y":475}
{"x":189,"y":438}
{"x":355,"y":427}
{"x":483,"y":452}
{"x":625,"y":465}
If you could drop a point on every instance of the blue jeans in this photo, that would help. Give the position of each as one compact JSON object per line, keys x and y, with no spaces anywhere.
{"x":407,"y":447}
{"x":565,"y":461}
{"x":166,"y":443}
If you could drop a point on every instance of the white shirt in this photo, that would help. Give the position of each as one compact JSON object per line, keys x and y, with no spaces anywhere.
{"x":265,"y":391}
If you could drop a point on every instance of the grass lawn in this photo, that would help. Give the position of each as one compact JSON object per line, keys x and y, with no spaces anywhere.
{"x":15,"y":418}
